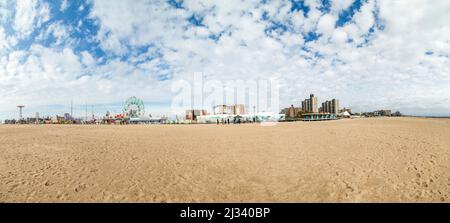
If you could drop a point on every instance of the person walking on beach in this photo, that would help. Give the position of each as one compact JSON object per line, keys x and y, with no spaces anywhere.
{"x":217,"y":121}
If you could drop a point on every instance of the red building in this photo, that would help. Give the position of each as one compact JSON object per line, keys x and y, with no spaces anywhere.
{"x":193,"y":113}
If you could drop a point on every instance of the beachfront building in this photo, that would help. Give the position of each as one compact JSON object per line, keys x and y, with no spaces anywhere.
{"x":238,"y":109}
{"x":192,"y":114}
{"x":349,"y":110}
{"x":310,"y":111}
{"x":291,"y":112}
{"x":245,"y":118}
{"x":236,"y":114}
{"x":397,"y":113}
{"x":382,"y":113}
{"x":331,"y":106}
{"x":378,"y":113}
{"x":12,"y":121}
{"x":222,"y":110}
{"x":309,"y":105}
{"x":318,"y":116}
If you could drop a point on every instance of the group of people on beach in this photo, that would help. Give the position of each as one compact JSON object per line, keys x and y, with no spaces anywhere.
{"x":226,"y":121}
{"x":235,"y":121}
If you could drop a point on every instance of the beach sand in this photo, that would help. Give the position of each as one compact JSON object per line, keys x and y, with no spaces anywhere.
{"x":352,"y":160}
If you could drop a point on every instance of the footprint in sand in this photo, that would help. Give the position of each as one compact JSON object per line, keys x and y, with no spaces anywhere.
{"x":80,"y":187}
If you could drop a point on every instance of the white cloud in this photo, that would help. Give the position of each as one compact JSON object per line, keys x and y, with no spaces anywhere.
{"x":326,"y":25}
{"x":338,"y":6}
{"x":59,"y":31}
{"x":29,"y":15}
{"x":64,"y":5}
{"x":25,"y":14}
{"x":5,"y":13}
{"x":87,"y":58}
{"x":340,"y":36}
{"x":4,"y":45}
{"x":364,"y":19}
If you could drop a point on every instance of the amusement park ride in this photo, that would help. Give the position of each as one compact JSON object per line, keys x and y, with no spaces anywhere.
{"x":133,"y":108}
{"x":134,"y":112}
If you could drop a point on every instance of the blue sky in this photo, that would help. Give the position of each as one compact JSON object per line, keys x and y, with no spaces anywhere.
{"x":370,"y":54}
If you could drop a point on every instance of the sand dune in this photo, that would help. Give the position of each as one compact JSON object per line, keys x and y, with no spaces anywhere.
{"x":359,"y":160}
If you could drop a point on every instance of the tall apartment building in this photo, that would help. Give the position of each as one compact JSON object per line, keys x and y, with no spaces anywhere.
{"x":310,"y":105}
{"x":330,"y":106}
{"x":334,"y":106}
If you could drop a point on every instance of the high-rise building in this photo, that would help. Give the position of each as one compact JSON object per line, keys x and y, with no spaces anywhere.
{"x":310,"y":105}
{"x":330,"y":106}
{"x":334,"y":106}
{"x":314,"y":103}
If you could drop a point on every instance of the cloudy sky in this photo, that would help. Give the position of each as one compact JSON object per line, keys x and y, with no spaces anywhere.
{"x":371,"y":54}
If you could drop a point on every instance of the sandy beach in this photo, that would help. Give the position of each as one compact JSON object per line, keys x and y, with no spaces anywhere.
{"x":353,"y":160}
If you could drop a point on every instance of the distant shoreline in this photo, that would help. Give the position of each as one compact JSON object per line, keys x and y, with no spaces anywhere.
{"x":425,"y":116}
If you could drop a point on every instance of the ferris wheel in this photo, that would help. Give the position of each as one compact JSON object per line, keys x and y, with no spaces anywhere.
{"x":134,"y":107}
